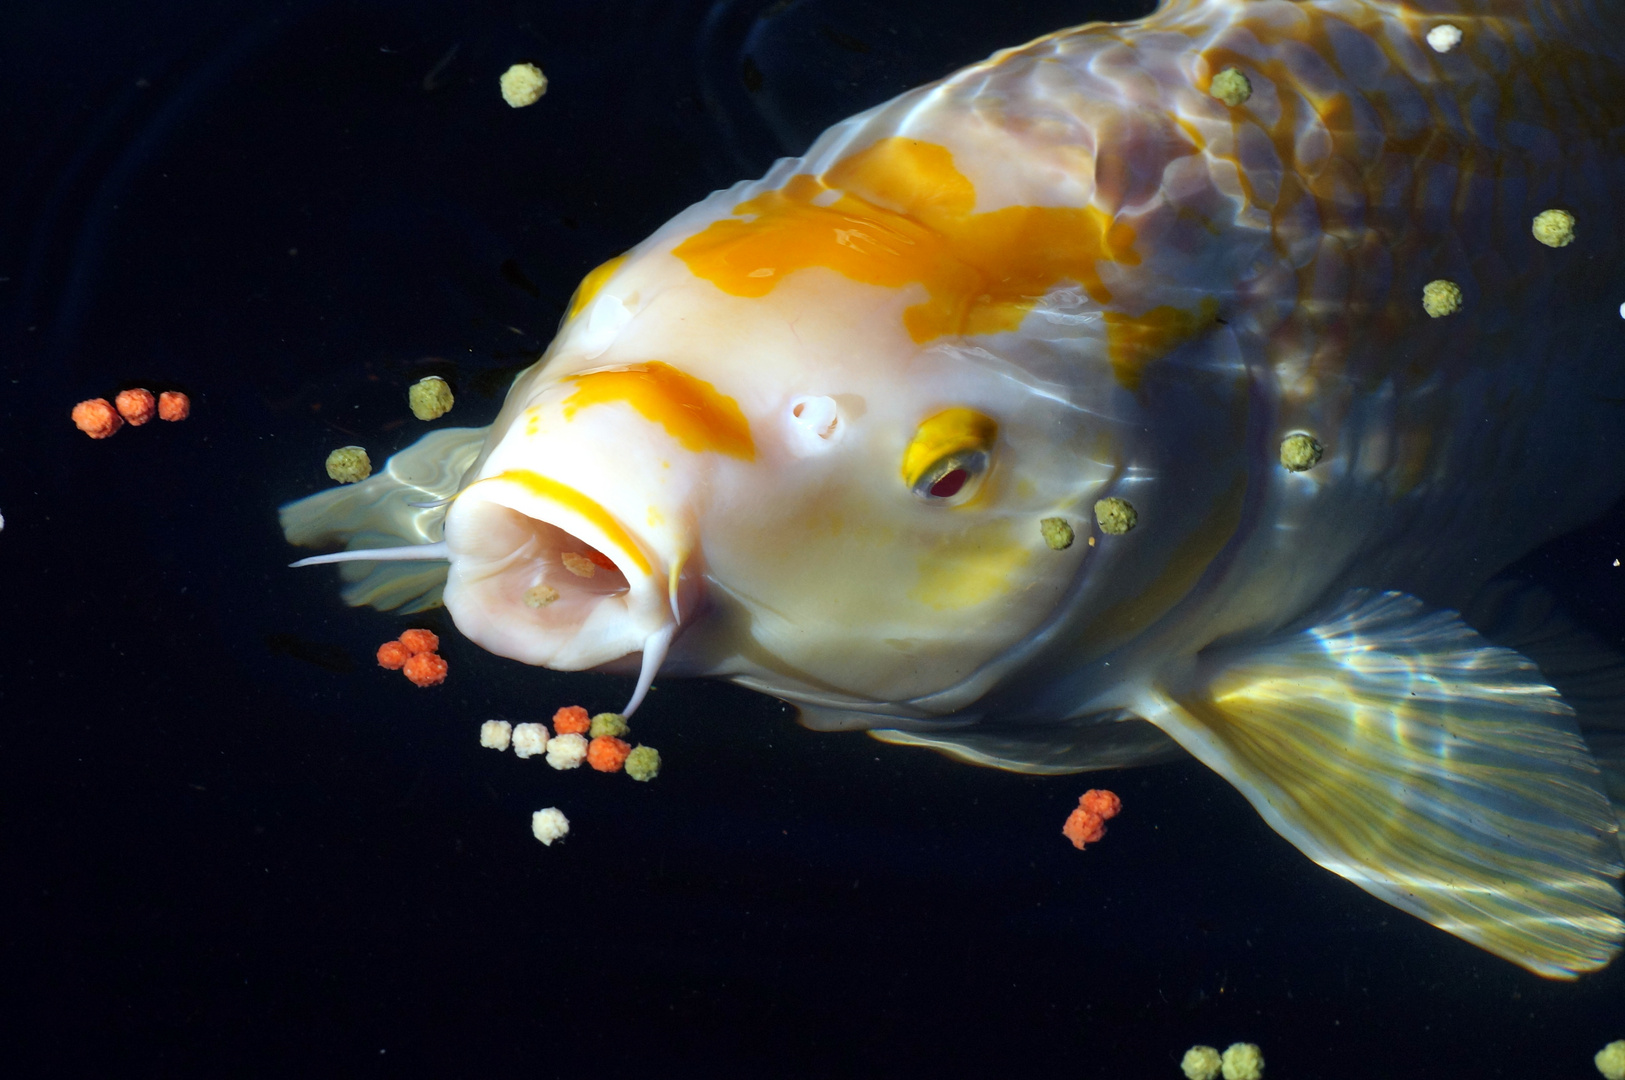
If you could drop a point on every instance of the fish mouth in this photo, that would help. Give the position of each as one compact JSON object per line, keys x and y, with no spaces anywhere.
{"x":543,"y":573}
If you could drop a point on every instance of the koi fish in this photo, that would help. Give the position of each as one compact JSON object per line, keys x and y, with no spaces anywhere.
{"x":1159,"y":387}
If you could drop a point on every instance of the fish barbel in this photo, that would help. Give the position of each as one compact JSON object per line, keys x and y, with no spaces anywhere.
{"x":1171,"y":384}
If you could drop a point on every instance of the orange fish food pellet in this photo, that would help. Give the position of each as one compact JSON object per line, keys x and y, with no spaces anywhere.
{"x":1087,"y":823}
{"x":572,"y":720}
{"x":174,"y":405}
{"x":415,"y":657}
{"x":607,"y":753}
{"x":97,"y":418}
{"x":419,"y":641}
{"x":393,"y":655}
{"x":426,"y":669}
{"x":136,"y":405}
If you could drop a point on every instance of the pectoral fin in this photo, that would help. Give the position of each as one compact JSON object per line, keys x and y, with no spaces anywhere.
{"x":378,"y":513}
{"x":1398,"y":748}
{"x":1115,"y":740}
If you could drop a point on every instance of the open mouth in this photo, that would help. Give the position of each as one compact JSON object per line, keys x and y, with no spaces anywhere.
{"x":545,"y":575}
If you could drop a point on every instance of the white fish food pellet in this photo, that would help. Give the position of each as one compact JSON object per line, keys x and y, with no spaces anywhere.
{"x":529,"y":740}
{"x":566,"y":751}
{"x":495,"y":734}
{"x":1444,"y":37}
{"x":549,"y":825}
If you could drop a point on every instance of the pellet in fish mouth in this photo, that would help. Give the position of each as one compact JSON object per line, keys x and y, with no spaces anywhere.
{"x":579,"y":565}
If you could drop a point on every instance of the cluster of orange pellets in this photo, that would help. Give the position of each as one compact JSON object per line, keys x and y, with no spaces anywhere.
{"x":1087,"y":823}
{"x":415,"y":655}
{"x":100,"y":418}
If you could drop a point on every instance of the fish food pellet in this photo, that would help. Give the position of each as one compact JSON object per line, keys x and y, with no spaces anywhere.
{"x":529,"y":740}
{"x":393,"y":655}
{"x":1610,"y":1060}
{"x":349,"y":465}
{"x":607,"y":753}
{"x":607,"y":723}
{"x":1231,"y":87}
{"x":523,"y":84}
{"x":1440,"y":298}
{"x":426,"y":669}
{"x":1242,"y":1061}
{"x":174,"y":406}
{"x":417,"y":641}
{"x":566,"y":751}
{"x":578,"y":564}
{"x":97,"y":418}
{"x":1057,"y":533}
{"x":1300,"y":452}
{"x":1115,"y":516}
{"x":430,"y":398}
{"x":496,"y":734}
{"x":1201,"y":1063}
{"x":571,"y":720}
{"x":538,"y":596}
{"x":136,"y":405}
{"x":1554,"y":228}
{"x":643,"y":763}
{"x":1444,"y":37}
{"x":549,"y":825}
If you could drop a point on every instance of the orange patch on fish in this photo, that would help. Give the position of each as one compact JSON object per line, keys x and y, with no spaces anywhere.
{"x":906,"y":215}
{"x":593,"y":283}
{"x":690,"y":409}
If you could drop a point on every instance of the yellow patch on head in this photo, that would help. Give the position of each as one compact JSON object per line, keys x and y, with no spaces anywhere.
{"x":690,"y":409}
{"x":906,"y":216}
{"x":593,"y":283}
{"x":970,"y":568}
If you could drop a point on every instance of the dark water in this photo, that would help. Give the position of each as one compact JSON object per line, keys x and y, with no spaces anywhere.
{"x":233,"y":846}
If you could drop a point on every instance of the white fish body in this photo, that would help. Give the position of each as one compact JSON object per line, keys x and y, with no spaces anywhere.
{"x":805,"y":436}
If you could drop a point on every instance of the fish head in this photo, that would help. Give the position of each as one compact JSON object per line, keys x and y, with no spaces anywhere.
{"x":820,"y":501}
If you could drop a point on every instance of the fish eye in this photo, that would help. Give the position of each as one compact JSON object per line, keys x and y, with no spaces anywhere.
{"x":949,"y":455}
{"x":815,"y":424}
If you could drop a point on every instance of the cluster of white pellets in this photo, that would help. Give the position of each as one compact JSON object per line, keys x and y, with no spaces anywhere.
{"x":1240,"y":1061}
{"x":529,"y":740}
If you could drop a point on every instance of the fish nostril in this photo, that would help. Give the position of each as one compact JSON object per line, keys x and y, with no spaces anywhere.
{"x":815,"y":423}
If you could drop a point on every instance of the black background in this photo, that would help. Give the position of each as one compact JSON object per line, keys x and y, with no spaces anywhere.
{"x":233,"y":846}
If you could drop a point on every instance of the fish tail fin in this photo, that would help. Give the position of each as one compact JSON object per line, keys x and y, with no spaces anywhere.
{"x":380,"y":512}
{"x":1399,"y":748}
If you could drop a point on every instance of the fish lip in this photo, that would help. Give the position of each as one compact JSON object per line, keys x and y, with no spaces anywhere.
{"x":508,"y":532}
